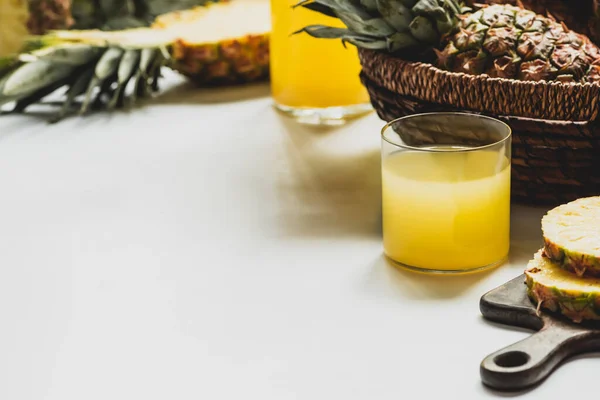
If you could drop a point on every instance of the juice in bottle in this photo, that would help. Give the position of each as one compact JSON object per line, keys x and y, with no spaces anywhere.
{"x":310,"y":76}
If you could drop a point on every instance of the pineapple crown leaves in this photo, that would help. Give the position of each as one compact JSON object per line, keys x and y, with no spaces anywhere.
{"x":122,"y":14}
{"x":389,"y":25}
{"x":356,"y":18}
{"x":101,"y":74}
{"x":393,"y":43}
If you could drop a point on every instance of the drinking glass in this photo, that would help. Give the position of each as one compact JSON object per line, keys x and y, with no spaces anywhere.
{"x":314,"y":80}
{"x":446,"y":192}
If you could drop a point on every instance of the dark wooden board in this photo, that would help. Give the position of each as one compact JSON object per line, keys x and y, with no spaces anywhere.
{"x":530,"y":361}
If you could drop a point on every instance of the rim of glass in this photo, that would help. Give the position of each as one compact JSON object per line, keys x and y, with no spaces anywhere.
{"x":458,"y":150}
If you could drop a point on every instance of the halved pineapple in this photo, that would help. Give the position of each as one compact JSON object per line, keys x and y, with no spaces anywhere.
{"x":572,"y":236}
{"x":220,"y":43}
{"x":555,"y":289}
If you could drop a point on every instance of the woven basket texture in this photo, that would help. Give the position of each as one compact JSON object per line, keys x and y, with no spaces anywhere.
{"x":556,"y":132}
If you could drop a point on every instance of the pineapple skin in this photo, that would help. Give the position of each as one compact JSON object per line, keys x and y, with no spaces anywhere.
{"x":234,"y":61}
{"x":557,"y":246}
{"x":579,"y":301}
{"x":577,"y":263}
{"x":47,"y":15}
{"x":583,"y":16}
{"x":504,"y":41}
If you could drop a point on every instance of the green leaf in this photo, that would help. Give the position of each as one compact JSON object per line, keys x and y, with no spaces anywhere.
{"x":400,"y":41}
{"x":127,"y":69}
{"x":344,"y":6}
{"x":454,"y":8}
{"x":445,"y":25}
{"x":320,"y":8}
{"x":31,"y":77}
{"x":152,"y":8}
{"x":123,"y":23}
{"x":93,"y":84}
{"x":372,"y":27}
{"x":324,"y":32}
{"x":105,"y":90}
{"x":72,"y":54}
{"x":77,"y":88}
{"x":128,"y":65}
{"x":106,"y":66}
{"x":370,"y":6}
{"x":122,"y":14}
{"x":108,"y":63}
{"x":366,"y":44}
{"x":347,"y":36}
{"x":395,"y":14}
{"x":422,"y":29}
{"x":153,"y":71}
{"x":141,"y":78}
{"x":36,"y":96}
{"x":429,"y":8}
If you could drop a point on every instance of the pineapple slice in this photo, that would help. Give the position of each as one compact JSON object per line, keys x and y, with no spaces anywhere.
{"x":572,"y":236}
{"x":555,"y":289}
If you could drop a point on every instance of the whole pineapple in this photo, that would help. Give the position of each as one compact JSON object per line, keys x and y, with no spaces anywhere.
{"x":500,"y":40}
{"x":509,"y":42}
{"x":582,"y":16}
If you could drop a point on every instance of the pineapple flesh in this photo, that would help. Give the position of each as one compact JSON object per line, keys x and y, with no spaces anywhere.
{"x":572,"y":236}
{"x":554,"y":289}
{"x":502,"y":41}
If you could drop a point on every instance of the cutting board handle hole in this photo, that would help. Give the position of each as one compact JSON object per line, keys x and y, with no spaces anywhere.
{"x":511,"y":359}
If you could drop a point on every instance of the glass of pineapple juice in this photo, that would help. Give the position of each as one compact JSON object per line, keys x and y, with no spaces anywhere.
{"x":314,"y":80}
{"x":446,"y":192}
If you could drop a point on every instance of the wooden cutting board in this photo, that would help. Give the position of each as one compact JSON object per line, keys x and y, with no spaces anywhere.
{"x":533,"y":359}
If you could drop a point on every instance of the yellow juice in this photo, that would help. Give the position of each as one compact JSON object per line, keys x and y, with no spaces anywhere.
{"x":446,"y":211}
{"x":310,"y":72}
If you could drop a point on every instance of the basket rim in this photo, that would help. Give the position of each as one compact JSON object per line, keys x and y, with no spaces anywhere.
{"x":571,"y":101}
{"x":483,"y":76}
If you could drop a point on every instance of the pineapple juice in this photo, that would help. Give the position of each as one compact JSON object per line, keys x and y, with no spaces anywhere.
{"x":308,"y":72}
{"x":446,"y":211}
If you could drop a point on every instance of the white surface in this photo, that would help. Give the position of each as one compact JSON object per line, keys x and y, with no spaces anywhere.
{"x":205,"y":247}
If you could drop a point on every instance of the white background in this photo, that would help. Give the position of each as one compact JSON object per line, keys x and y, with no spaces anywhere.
{"x":206,"y":247}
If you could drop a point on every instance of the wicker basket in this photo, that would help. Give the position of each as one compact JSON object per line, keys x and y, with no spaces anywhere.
{"x":556,"y":127}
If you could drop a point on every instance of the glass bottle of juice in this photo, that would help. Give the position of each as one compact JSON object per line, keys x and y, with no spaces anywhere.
{"x":314,"y":80}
